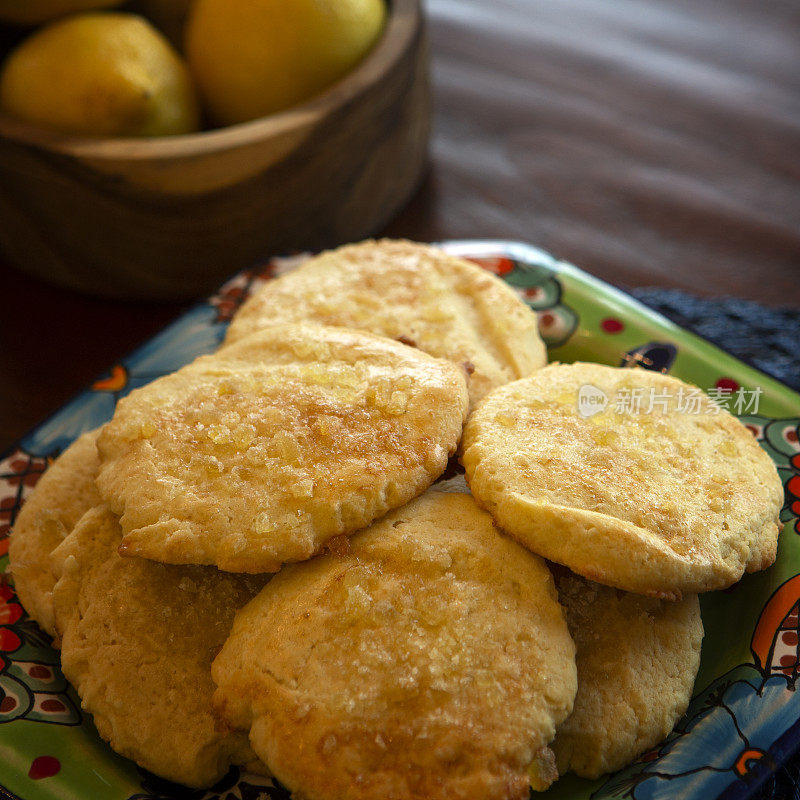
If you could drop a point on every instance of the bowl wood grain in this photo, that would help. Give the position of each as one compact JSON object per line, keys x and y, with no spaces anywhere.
{"x":172,"y":217}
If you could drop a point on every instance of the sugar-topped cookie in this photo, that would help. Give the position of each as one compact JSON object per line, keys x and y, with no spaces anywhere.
{"x":413,"y":292}
{"x":138,"y":639}
{"x":637,"y":661}
{"x":431,"y":660}
{"x":61,"y":497}
{"x":259,"y":454}
{"x":663,"y":496}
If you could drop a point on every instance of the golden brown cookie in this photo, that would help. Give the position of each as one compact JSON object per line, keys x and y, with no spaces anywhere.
{"x":664,"y":500}
{"x":138,"y":639}
{"x":261,"y":453}
{"x":61,"y":497}
{"x":430,"y":661}
{"x":412,"y":292}
{"x":637,"y":660}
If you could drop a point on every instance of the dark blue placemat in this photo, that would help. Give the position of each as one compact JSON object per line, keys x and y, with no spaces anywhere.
{"x":769,"y":339}
{"x":784,"y":785}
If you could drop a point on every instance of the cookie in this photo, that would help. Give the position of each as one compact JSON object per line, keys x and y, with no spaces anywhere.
{"x":431,"y":660}
{"x":61,"y":497}
{"x":138,"y":639}
{"x":416,"y":293}
{"x":261,"y":453}
{"x":673,"y":497}
{"x":637,"y":661}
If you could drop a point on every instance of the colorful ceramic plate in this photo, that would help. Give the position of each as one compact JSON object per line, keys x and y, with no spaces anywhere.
{"x":744,"y":719}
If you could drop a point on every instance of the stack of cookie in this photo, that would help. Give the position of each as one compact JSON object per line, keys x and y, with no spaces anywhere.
{"x":257,"y":561}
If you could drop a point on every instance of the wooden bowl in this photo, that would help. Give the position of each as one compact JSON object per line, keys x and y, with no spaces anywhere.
{"x":172,"y":217}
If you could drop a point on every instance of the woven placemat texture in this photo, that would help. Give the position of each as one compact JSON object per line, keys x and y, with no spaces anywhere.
{"x":766,"y":338}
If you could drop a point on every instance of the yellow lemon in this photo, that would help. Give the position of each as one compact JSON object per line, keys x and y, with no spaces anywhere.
{"x":100,"y":75}
{"x":32,"y":12}
{"x":253,"y":57}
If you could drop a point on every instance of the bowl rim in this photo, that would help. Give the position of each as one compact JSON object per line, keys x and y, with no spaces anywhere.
{"x":403,"y":20}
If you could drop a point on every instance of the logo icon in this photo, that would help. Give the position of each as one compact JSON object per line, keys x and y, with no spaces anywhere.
{"x":591,"y":400}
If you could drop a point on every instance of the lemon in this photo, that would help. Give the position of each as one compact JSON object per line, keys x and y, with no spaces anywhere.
{"x":106,"y":74}
{"x":254,"y":57}
{"x":32,"y":12}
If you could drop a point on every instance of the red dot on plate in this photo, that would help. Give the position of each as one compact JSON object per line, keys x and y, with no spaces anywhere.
{"x":41,"y":672}
{"x":53,"y":706}
{"x":612,"y":325}
{"x":790,"y":638}
{"x":9,"y":641}
{"x":727,"y":384}
{"x":547,"y":319}
{"x":44,"y":767}
{"x":7,"y":704}
{"x":791,"y":436}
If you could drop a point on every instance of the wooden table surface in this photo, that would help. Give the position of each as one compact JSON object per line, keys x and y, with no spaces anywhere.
{"x":652,"y":143}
